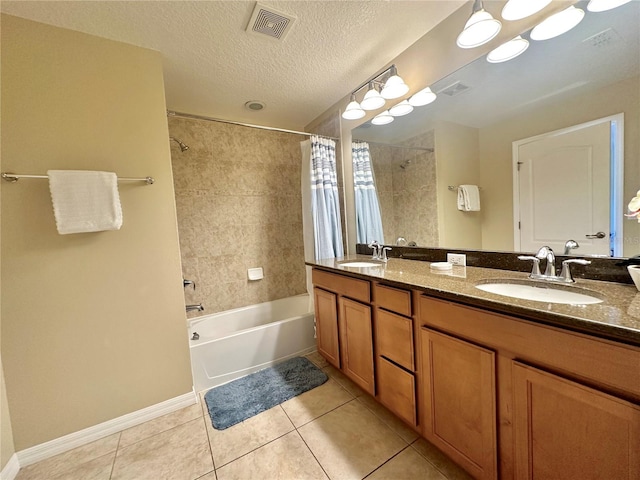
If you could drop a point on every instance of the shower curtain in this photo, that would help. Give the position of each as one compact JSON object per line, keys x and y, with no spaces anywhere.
{"x":325,"y":204}
{"x":368,"y":220}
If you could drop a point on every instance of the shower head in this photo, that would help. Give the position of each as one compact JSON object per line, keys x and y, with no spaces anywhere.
{"x":183,"y":147}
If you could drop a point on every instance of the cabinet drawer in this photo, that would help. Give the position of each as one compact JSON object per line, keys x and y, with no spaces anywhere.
{"x":394,"y":299}
{"x":347,"y":286}
{"x":394,"y":338}
{"x":397,"y":390}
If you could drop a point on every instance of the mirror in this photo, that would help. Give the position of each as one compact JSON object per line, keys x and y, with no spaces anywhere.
{"x":485,"y":112}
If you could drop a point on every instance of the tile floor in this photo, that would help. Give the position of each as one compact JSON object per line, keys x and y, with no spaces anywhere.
{"x":334,"y":431}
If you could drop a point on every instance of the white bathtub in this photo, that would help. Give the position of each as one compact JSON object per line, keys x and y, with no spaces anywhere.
{"x":238,"y":342}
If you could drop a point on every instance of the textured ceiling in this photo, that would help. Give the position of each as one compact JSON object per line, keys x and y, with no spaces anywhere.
{"x":212,"y":66}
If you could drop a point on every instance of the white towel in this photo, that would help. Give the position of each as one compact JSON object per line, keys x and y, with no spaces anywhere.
{"x":469,"y":198}
{"x":85,"y":201}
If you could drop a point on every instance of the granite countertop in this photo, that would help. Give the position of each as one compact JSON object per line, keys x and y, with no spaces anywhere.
{"x":617,"y":317}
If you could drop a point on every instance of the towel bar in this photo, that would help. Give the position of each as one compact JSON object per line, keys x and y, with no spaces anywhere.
{"x":12,"y":178}
{"x":453,"y":188}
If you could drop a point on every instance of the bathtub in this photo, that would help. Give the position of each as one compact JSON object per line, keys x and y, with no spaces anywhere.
{"x":238,"y":342}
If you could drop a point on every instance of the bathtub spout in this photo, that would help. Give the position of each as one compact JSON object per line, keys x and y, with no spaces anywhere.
{"x":198,"y":307}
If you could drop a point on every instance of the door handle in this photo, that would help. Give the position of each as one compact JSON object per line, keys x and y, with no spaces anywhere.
{"x":597,"y":235}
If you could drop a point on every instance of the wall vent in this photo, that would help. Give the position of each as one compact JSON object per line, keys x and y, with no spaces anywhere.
{"x":270,"y":22}
{"x":454,"y":89}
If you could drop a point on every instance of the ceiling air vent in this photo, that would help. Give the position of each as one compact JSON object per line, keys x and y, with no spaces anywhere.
{"x":454,"y":89}
{"x":605,"y":38}
{"x":269,"y":21}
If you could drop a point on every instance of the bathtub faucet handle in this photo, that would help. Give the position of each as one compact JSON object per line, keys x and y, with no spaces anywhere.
{"x":186,"y":283}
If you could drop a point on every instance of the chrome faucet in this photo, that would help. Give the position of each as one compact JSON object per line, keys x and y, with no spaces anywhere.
{"x":198,"y":307}
{"x":376,"y":247}
{"x":546,"y":252}
{"x":383,"y":257}
{"x":550,"y":270}
{"x":570,"y":245}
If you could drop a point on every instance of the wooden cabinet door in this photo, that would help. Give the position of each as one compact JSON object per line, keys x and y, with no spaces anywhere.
{"x":566,"y":430}
{"x":356,"y":342}
{"x":326,"y":307}
{"x":459,"y":401}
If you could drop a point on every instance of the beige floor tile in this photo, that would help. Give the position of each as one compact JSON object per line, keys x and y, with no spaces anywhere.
{"x":394,"y":423}
{"x":73,"y":458}
{"x":344,"y":381}
{"x":209,"y":476}
{"x":286,"y":458}
{"x":443,"y":463}
{"x":229,"y":444}
{"x":160,"y":424}
{"x":318,"y":359}
{"x":98,"y":469}
{"x":304,"y":408}
{"x":350,"y":442}
{"x":181,"y":453}
{"x":407,"y":465}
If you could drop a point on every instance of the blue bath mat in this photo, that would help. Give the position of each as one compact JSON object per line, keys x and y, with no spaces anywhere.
{"x":245,"y":397}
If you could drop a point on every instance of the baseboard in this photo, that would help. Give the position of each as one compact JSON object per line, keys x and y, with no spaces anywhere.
{"x":45,"y":450}
{"x":11,"y":469}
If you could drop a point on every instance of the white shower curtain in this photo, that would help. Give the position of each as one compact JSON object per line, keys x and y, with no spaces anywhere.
{"x":325,"y":203}
{"x":368,"y":219}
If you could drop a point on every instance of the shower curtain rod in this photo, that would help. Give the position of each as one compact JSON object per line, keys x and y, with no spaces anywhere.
{"x":172,"y":113}
{"x":426,"y":149}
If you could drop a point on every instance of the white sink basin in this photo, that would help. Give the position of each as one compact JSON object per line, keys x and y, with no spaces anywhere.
{"x":359,"y":264}
{"x":540,"y":292}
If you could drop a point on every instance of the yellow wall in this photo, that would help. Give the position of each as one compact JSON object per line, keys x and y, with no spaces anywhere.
{"x":7,"y":448}
{"x":93,"y":325}
{"x":457,"y":164}
{"x":496,"y":155}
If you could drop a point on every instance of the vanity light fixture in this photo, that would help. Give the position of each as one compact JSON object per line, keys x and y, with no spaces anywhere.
{"x":603,"y":5}
{"x":372,"y":99}
{"x":508,"y":50}
{"x":402,"y":108}
{"x":557,"y":24}
{"x":382,"y":118}
{"x":479,"y":29}
{"x":423,"y":97}
{"x":392,"y":86}
{"x":519,"y":9}
{"x":353,"y":110}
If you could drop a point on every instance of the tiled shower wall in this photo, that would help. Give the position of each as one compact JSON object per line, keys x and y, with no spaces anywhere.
{"x":238,"y":202}
{"x":407,"y":196}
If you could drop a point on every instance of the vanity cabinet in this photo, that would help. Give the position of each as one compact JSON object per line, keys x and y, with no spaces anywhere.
{"x":567,"y":430}
{"x":327,"y":325}
{"x":566,"y":405}
{"x":502,"y":396}
{"x":459,"y":399}
{"x":395,"y":351}
{"x":344,"y":326}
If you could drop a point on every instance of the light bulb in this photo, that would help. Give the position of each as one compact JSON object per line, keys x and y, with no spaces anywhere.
{"x":557,"y":24}
{"x":518,"y":9}
{"x":479,"y":29}
{"x":603,"y":5}
{"x":394,"y":87}
{"x":508,"y":50}
{"x":423,"y":97}
{"x":372,"y":99}
{"x":382,"y":118}
{"x":401,"y":108}
{"x":353,"y":110}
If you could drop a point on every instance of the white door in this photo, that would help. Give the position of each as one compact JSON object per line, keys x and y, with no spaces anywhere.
{"x":564,"y":190}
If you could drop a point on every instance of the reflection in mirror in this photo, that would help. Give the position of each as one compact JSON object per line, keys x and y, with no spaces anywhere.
{"x":479,"y":127}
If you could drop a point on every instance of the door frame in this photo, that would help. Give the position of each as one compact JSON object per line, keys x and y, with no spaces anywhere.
{"x":616,"y":178}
